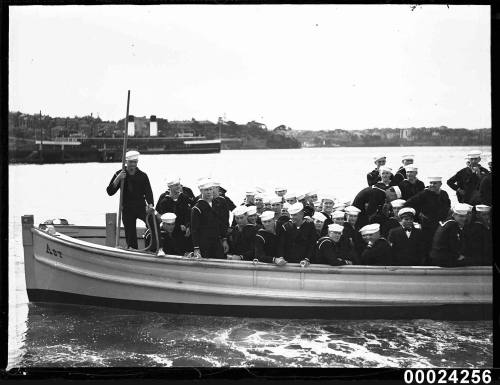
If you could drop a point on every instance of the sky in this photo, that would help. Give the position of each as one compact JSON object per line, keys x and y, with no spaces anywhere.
{"x":310,"y":67}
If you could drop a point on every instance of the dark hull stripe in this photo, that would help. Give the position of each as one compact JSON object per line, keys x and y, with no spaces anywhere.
{"x":441,"y":312}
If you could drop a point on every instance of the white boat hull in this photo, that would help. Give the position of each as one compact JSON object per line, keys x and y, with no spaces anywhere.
{"x":60,"y":268}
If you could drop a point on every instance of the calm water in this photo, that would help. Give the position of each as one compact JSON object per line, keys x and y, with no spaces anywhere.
{"x":67,"y":335}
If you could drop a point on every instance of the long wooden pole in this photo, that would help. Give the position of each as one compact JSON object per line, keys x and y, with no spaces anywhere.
{"x":124,"y":150}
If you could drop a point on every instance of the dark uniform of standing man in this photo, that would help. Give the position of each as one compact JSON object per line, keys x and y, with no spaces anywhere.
{"x":448,"y":245}
{"x":137,"y":198}
{"x":411,"y":185}
{"x":466,"y":181}
{"x":432,"y":205}
{"x":206,"y":231}
{"x":297,"y":238}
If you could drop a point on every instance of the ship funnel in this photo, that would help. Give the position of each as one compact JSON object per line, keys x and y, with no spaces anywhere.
{"x":153,"y":126}
{"x":131,"y":125}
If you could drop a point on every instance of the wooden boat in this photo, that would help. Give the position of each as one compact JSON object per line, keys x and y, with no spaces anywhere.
{"x":74,"y":265}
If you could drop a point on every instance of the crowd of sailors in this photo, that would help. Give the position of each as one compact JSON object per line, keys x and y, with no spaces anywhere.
{"x":396,"y":220}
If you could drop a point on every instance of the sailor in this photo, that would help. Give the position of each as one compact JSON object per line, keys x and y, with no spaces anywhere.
{"x":319,"y":224}
{"x":222,"y":207}
{"x":338,"y":217}
{"x":386,"y":217}
{"x":485,"y":188}
{"x":407,"y":241}
{"x":297,"y":238}
{"x":282,"y":218}
{"x":281,"y":192}
{"x":266,"y":201}
{"x":432,"y":205}
{"x":448,"y":245}
{"x":291,"y":198}
{"x":308,"y":205}
{"x":385,"y":177}
{"x":318,"y":206}
{"x":328,"y":203}
{"x":478,"y":237}
{"x":360,"y":201}
{"x":334,"y":249}
{"x":411,"y":185}
{"x":252,"y":216}
{"x":276,"y":206}
{"x":208,"y":236}
{"x":400,"y":175}
{"x":378,"y":249}
{"x":380,"y":196}
{"x":137,"y":198}
{"x":466,"y":181}
{"x":259,"y":203}
{"x":266,"y":240}
{"x":249,"y":198}
{"x":173,"y":241}
{"x":312,"y":197}
{"x":176,"y":202}
{"x":242,"y":238}
{"x":339,"y":205}
{"x":351,"y":230}
{"x":374,"y":176}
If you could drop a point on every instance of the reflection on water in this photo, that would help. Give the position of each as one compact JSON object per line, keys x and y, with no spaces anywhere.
{"x":70,"y":335}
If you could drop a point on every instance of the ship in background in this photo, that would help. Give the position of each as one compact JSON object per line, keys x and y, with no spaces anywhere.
{"x":142,"y":136}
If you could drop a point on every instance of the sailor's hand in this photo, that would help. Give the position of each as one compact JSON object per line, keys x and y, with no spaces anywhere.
{"x":232,"y":257}
{"x":183,"y":228}
{"x":196,"y":253}
{"x":188,"y":232}
{"x":160,"y":253}
{"x":347,"y":262}
{"x":119,"y":177}
{"x":308,"y":219}
{"x":461,"y":257}
{"x":225,"y":246}
{"x":280,"y":261}
{"x":304,"y":263}
{"x":150,"y":209}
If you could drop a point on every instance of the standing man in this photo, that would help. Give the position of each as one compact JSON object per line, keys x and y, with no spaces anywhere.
{"x":466,"y":181}
{"x":411,"y":185}
{"x":448,"y":245}
{"x":431,"y":205}
{"x":406,"y":240}
{"x":374,"y":176}
{"x":209,"y":240}
{"x":401,"y":173}
{"x":297,"y":238}
{"x":137,"y":198}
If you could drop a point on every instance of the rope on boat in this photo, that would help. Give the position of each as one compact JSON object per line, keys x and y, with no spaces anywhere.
{"x":156,"y":235}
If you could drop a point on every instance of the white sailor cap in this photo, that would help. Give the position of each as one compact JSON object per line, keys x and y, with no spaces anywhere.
{"x":483,"y":208}
{"x":317,"y":203}
{"x":215,"y":183}
{"x":407,"y":210}
{"x":352,"y":210}
{"x":338,"y":214}
{"x":279,"y":188}
{"x":205,"y":183}
{"x":312,"y":192}
{"x":301,"y":196}
{"x":319,"y":216}
{"x":474,"y":154}
{"x":335,"y":227}
{"x":240,"y":210}
{"x":328,"y":197}
{"x":339,"y":206}
{"x":286,"y":206}
{"x":251,"y":210}
{"x":168,"y":218}
{"x":407,"y":157}
{"x":295,"y":208}
{"x":260,"y":190}
{"x":250,"y":192}
{"x":290,"y":195}
{"x":434,"y":178}
{"x":384,"y":168}
{"x":411,"y":167}
{"x":173,"y":181}
{"x":267,"y":199}
{"x":132,"y":155}
{"x":259,"y":196}
{"x":462,"y":208}
{"x":370,"y":229}
{"x":275,"y":200}
{"x":378,"y":157}
{"x":398,"y":203}
{"x":267,"y":215}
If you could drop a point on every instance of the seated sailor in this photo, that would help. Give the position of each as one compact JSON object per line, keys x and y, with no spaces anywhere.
{"x":266,"y":240}
{"x":176,"y":202}
{"x":334,"y":249}
{"x":308,"y":205}
{"x":338,"y":217}
{"x":374,"y":176}
{"x":259,"y":203}
{"x":266,"y":201}
{"x":400,"y":175}
{"x":351,"y":230}
{"x":411,"y":186}
{"x":276,"y":206}
{"x":297,"y":238}
{"x":173,"y":241}
{"x":319,"y":224}
{"x":377,"y":250}
{"x":385,"y":178}
{"x":249,"y":198}
{"x":242,"y":238}
{"x":407,"y":241}
{"x":291,"y":198}
{"x":252,"y":216}
{"x":328,"y":203}
{"x":448,"y":245}
{"x":479,"y":240}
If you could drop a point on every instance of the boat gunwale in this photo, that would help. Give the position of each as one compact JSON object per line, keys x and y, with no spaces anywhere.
{"x":249,"y":265}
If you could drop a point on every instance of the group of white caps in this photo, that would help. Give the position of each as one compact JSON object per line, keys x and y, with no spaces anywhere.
{"x":413,"y":167}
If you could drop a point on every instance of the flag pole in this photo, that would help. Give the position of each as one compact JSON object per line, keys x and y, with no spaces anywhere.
{"x":124,"y":150}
